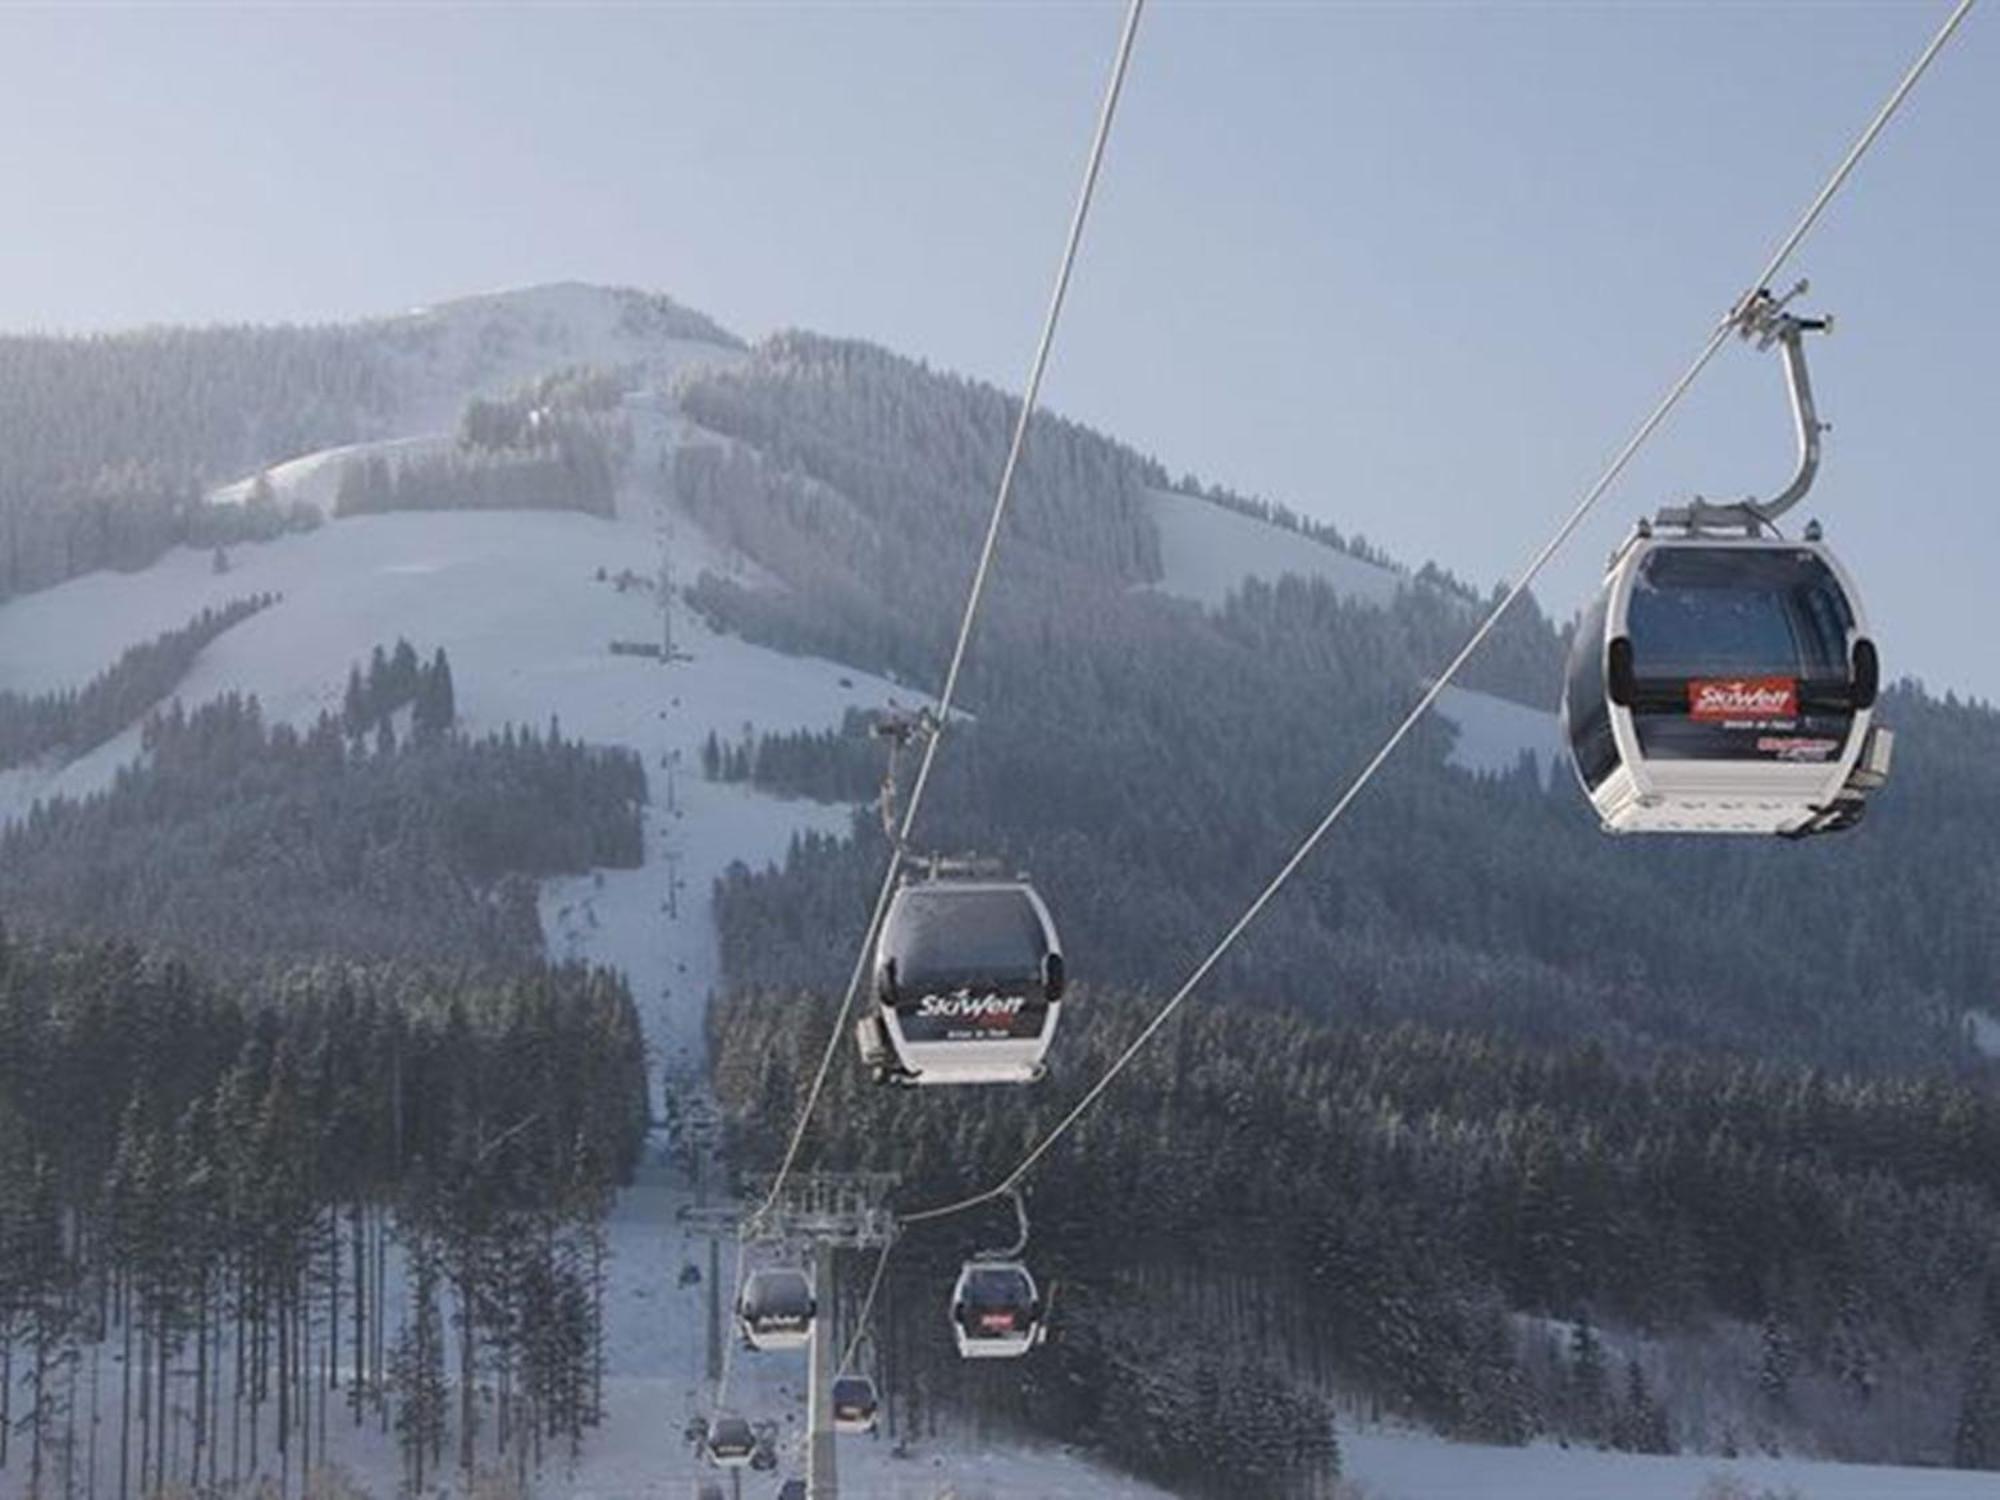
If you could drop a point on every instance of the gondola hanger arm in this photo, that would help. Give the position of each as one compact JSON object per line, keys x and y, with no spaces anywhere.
{"x":1762,"y":318}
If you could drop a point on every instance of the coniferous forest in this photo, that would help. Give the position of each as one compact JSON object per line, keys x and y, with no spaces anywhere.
{"x":296,"y":1126}
{"x":235,"y":1214}
{"x":1491,"y":1124}
{"x":1457,"y":1134}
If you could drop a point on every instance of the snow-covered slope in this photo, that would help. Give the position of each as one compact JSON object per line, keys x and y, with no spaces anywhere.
{"x":1408,"y":1466}
{"x":440,"y":357}
{"x":485,"y":344}
{"x":1493,"y":734}
{"x":1207,"y":550}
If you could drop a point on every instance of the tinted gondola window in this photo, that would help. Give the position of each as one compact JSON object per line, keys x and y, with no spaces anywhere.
{"x":944,"y":938}
{"x":996,"y":1290}
{"x":1715,"y":612}
{"x":1589,"y":718}
{"x":787,"y":1295}
{"x":1763,"y":629}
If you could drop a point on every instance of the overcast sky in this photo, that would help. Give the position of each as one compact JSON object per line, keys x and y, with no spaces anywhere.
{"x":1416,"y":269}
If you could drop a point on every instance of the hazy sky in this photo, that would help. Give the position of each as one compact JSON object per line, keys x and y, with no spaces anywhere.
{"x":1413,"y":268}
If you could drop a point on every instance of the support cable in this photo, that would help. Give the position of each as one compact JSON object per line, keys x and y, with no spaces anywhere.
{"x":941,"y":714}
{"x":1738,"y":311}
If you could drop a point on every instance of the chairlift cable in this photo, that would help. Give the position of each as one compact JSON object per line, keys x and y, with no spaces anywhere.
{"x":867,"y":1307}
{"x":1541,"y":559}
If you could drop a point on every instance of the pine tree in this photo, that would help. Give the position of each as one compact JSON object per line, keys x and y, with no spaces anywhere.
{"x":1588,"y":1387}
{"x":1774,"y":1371}
{"x":355,"y":706}
{"x":403,"y":673}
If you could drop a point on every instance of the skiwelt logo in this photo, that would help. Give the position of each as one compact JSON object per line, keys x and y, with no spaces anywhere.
{"x":1718,"y":699}
{"x":982,"y":1010}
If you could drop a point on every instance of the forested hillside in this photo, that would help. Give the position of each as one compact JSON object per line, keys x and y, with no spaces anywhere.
{"x":230,"y":1215}
{"x":239,"y":840}
{"x":1524,"y":1130}
{"x":109,"y":443}
{"x":1441,"y":1223}
{"x":69,"y":723}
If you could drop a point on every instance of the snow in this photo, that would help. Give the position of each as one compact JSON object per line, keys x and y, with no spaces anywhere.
{"x":1494,"y":733}
{"x":1414,"y":1466}
{"x":486,"y":344}
{"x":1207,"y":551}
{"x":315,"y":479}
{"x":514,"y":599}
{"x":440,"y":357}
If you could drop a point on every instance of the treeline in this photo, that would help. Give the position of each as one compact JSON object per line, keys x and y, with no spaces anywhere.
{"x":68,"y":724}
{"x":827,"y":765}
{"x":236,"y":838}
{"x":231,"y":1217}
{"x":398,"y":680}
{"x":108,"y":442}
{"x":863,"y":479}
{"x":1151,"y":804}
{"x":558,"y":443}
{"x":1399,"y":1212}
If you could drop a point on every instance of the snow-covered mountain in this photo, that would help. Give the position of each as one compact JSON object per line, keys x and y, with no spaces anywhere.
{"x":528,"y":604}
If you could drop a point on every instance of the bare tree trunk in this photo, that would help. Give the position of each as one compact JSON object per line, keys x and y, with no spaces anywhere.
{"x":125,"y":1395}
{"x":357,"y":1244}
{"x":283,"y":1321}
{"x":145,"y":1398}
{"x":160,"y":1439}
{"x":466,"y":1330}
{"x":236,"y":1392}
{"x":200,"y":1379}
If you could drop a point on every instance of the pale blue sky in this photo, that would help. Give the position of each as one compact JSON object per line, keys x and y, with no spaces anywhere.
{"x":1414,"y":268}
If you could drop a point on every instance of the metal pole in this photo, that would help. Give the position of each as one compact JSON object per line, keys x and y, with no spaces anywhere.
{"x":822,"y":1475}
{"x":714,"y":1310}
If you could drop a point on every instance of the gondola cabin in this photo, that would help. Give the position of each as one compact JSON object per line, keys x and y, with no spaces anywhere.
{"x":996,"y":1310}
{"x":855,"y":1406}
{"x":1725,"y":685}
{"x":968,"y":984}
{"x":731,"y":1441}
{"x":775,"y":1309}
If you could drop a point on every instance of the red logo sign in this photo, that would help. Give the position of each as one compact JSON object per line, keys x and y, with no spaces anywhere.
{"x":1000,"y":1322}
{"x":1717,"y":700}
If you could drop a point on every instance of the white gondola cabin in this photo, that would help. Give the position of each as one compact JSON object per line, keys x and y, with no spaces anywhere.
{"x":856,"y":1407}
{"x":968,"y":984}
{"x":996,"y":1310}
{"x":731,"y":1441}
{"x":775,"y":1309}
{"x":1725,"y":685}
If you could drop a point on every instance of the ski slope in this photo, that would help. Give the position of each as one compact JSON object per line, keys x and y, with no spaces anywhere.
{"x":1416,"y":1466}
{"x":1207,"y":551}
{"x":1493,"y":735}
{"x":515,"y":600}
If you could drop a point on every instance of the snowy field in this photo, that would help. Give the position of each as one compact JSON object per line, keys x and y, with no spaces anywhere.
{"x":1206,"y":552}
{"x":1413,"y":1466}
